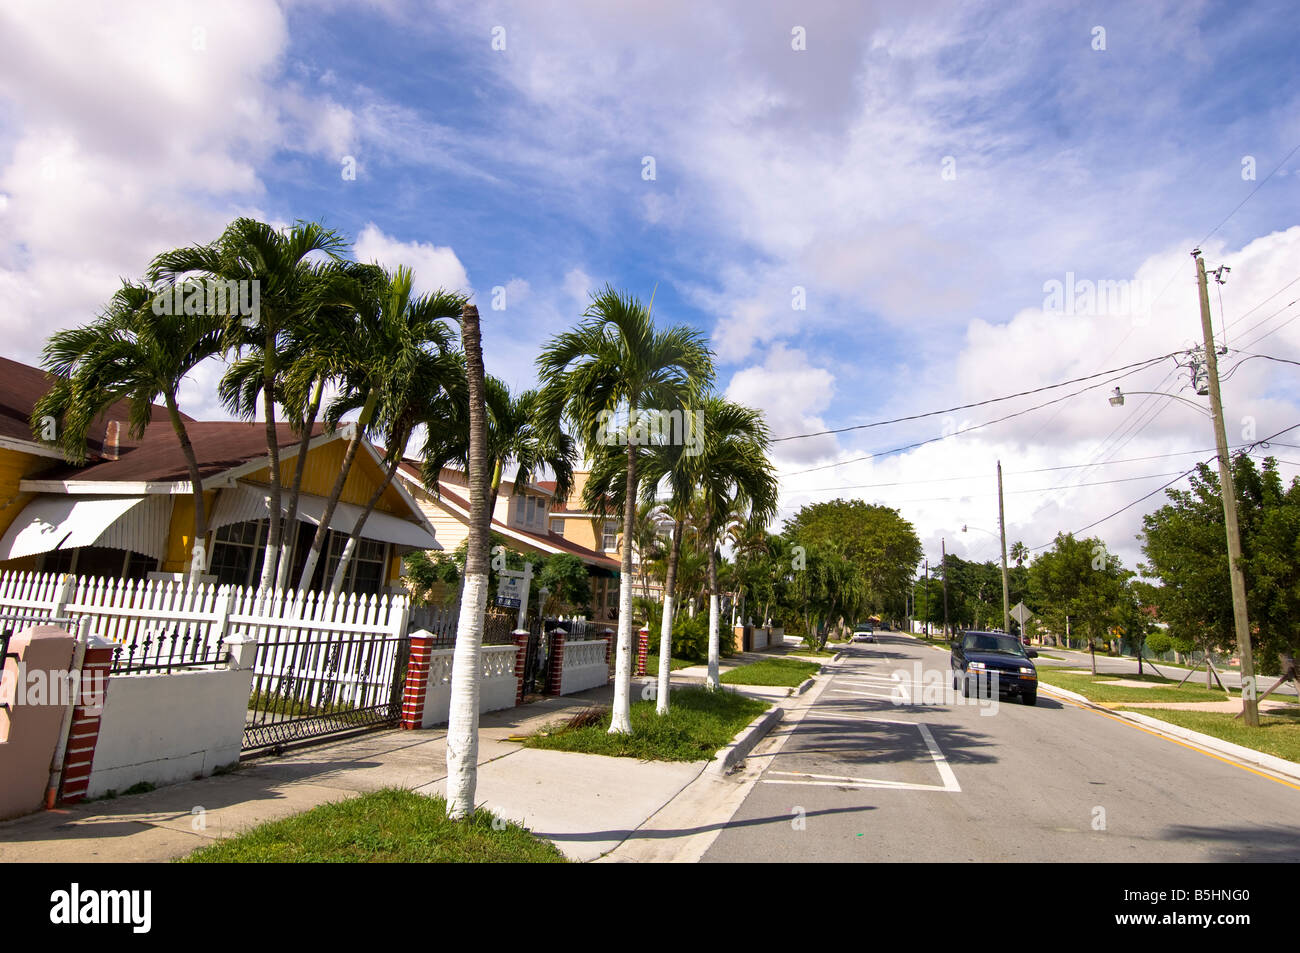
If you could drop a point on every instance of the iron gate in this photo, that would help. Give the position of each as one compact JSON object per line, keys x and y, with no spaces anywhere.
{"x":323,"y":684}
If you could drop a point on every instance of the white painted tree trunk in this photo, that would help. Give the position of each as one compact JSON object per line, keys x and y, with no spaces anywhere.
{"x":341,"y":570}
{"x":462,"y":723}
{"x":714,"y":607}
{"x":621,"y":722}
{"x":665,"y":656}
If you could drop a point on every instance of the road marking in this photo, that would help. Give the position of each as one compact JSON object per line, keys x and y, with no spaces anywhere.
{"x":949,"y":785}
{"x":845,"y":691}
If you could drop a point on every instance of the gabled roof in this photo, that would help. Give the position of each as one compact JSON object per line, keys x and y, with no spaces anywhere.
{"x":22,"y":385}
{"x":453,"y":497}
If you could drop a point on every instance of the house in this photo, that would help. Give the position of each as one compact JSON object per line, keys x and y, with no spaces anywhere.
{"x":128,"y":511}
{"x":526,"y":518}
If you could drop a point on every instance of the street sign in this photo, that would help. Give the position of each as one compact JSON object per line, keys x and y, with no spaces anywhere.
{"x":1020,"y":612}
{"x":510,"y":590}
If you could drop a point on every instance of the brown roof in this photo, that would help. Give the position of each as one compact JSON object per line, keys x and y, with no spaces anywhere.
{"x":548,"y":538}
{"x":22,"y":385}
{"x":157,"y":457}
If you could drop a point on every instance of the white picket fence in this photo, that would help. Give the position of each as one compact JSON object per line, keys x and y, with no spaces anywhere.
{"x":165,"y":624}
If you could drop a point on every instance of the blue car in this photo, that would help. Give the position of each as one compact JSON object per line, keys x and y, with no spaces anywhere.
{"x":977,"y":657}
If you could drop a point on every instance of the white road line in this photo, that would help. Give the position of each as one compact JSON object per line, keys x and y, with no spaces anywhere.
{"x":845,"y":691}
{"x":949,"y":785}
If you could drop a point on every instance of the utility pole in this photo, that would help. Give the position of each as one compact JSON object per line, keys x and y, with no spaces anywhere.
{"x":943,"y":544}
{"x":1006,"y":585}
{"x":1249,"y":706}
{"x":925,"y":598}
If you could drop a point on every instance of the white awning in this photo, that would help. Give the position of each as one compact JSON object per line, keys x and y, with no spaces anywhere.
{"x":241,"y":503}
{"x":47,"y":523}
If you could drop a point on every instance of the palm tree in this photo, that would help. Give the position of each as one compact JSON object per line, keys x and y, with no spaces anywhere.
{"x":377,"y":356}
{"x":427,"y":382}
{"x":462,"y":725}
{"x":133,"y":353}
{"x":516,"y":436}
{"x":733,"y":472}
{"x":279,"y":263}
{"x":616,"y":362}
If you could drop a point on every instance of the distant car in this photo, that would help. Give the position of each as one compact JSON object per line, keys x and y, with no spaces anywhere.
{"x":864,"y":633}
{"x":978,"y":656}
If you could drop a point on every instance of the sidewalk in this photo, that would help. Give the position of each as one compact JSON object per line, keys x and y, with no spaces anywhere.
{"x":586,"y":804}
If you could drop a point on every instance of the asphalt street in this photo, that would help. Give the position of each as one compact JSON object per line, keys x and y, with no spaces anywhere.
{"x":856,"y":774}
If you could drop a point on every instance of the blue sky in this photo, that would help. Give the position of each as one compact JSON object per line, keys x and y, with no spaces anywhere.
{"x":123,"y":132}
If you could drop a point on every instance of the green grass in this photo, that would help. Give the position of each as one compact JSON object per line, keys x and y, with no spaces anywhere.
{"x":387,"y":826}
{"x":820,"y":653}
{"x":772,"y":671}
{"x":652,"y":663}
{"x":1099,"y":689}
{"x":1278,"y":732}
{"x":698,"y":723}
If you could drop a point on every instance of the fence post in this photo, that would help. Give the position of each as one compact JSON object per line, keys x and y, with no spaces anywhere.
{"x":521,"y":661}
{"x":62,"y":596}
{"x":642,"y":649}
{"x":79,"y":758}
{"x":416,"y":689}
{"x":556,"y":686}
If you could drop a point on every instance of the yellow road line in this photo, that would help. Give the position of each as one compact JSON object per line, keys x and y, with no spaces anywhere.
{"x":1157,"y":734}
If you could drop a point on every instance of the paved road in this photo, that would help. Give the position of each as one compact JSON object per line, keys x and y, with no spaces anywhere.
{"x":1128,"y":666}
{"x":860,"y":778}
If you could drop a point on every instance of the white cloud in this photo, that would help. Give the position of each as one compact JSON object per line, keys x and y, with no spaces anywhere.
{"x":435,"y":266}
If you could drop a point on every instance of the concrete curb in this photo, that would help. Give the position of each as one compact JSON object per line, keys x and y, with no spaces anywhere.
{"x":806,"y":684}
{"x":732,"y":754}
{"x":1234,"y":751}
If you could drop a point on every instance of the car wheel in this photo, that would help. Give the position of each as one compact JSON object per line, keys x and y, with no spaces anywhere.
{"x":1030,"y":698}
{"x":965,"y":686}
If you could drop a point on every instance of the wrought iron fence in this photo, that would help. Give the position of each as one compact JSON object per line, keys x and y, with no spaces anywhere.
{"x":325,"y":683}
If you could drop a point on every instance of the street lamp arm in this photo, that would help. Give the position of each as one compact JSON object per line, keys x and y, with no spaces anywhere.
{"x":1117,"y":400}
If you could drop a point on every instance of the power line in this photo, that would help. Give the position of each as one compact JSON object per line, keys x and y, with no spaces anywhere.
{"x":987,"y":423}
{"x":980,"y":403}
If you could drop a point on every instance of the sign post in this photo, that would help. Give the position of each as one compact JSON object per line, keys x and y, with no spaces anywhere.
{"x":512,"y":590}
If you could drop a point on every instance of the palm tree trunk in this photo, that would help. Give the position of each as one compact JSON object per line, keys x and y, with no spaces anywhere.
{"x":198,"y":553}
{"x":462,"y":725}
{"x":291,"y":515}
{"x":269,"y":560}
{"x":714,"y":683}
{"x":621,"y":722}
{"x":666,"y":626}
{"x":341,"y":572}
{"x":322,"y":531}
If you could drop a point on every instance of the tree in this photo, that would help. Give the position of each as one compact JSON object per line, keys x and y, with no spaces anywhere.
{"x":1078,"y":578}
{"x":565,"y":577}
{"x":462,"y":724}
{"x":137,"y":353}
{"x":734,"y":474}
{"x":1186,"y":550}
{"x":880,"y":545}
{"x":615,"y":362}
{"x":290,"y":285}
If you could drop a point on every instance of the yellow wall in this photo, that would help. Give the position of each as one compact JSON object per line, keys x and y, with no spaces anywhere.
{"x":180,"y":533}
{"x":323,"y":466}
{"x":15,"y":466}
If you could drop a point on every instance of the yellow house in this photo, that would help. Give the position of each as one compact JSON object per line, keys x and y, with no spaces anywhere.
{"x":526,"y":519}
{"x":129,"y":510}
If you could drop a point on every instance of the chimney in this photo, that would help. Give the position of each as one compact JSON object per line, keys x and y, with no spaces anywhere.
{"x":110,"y":439}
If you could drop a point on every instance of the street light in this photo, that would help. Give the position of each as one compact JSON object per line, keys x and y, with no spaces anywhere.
{"x":1117,"y":399}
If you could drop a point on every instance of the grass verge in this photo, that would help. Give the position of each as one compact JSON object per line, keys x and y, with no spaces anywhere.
{"x":652,"y":664}
{"x":698,"y":723}
{"x":772,"y":671}
{"x":387,"y":826}
{"x":1102,"y":688}
{"x":1278,"y":733}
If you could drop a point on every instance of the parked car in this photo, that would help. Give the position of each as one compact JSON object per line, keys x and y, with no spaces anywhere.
{"x":863,"y":632}
{"x":978,"y":656}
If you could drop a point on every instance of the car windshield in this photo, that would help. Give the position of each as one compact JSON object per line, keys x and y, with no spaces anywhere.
{"x":984,"y":642}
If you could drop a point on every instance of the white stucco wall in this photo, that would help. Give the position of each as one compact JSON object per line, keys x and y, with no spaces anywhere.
{"x":164,"y":728}
{"x":584,"y":666}
{"x":496,"y":686}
